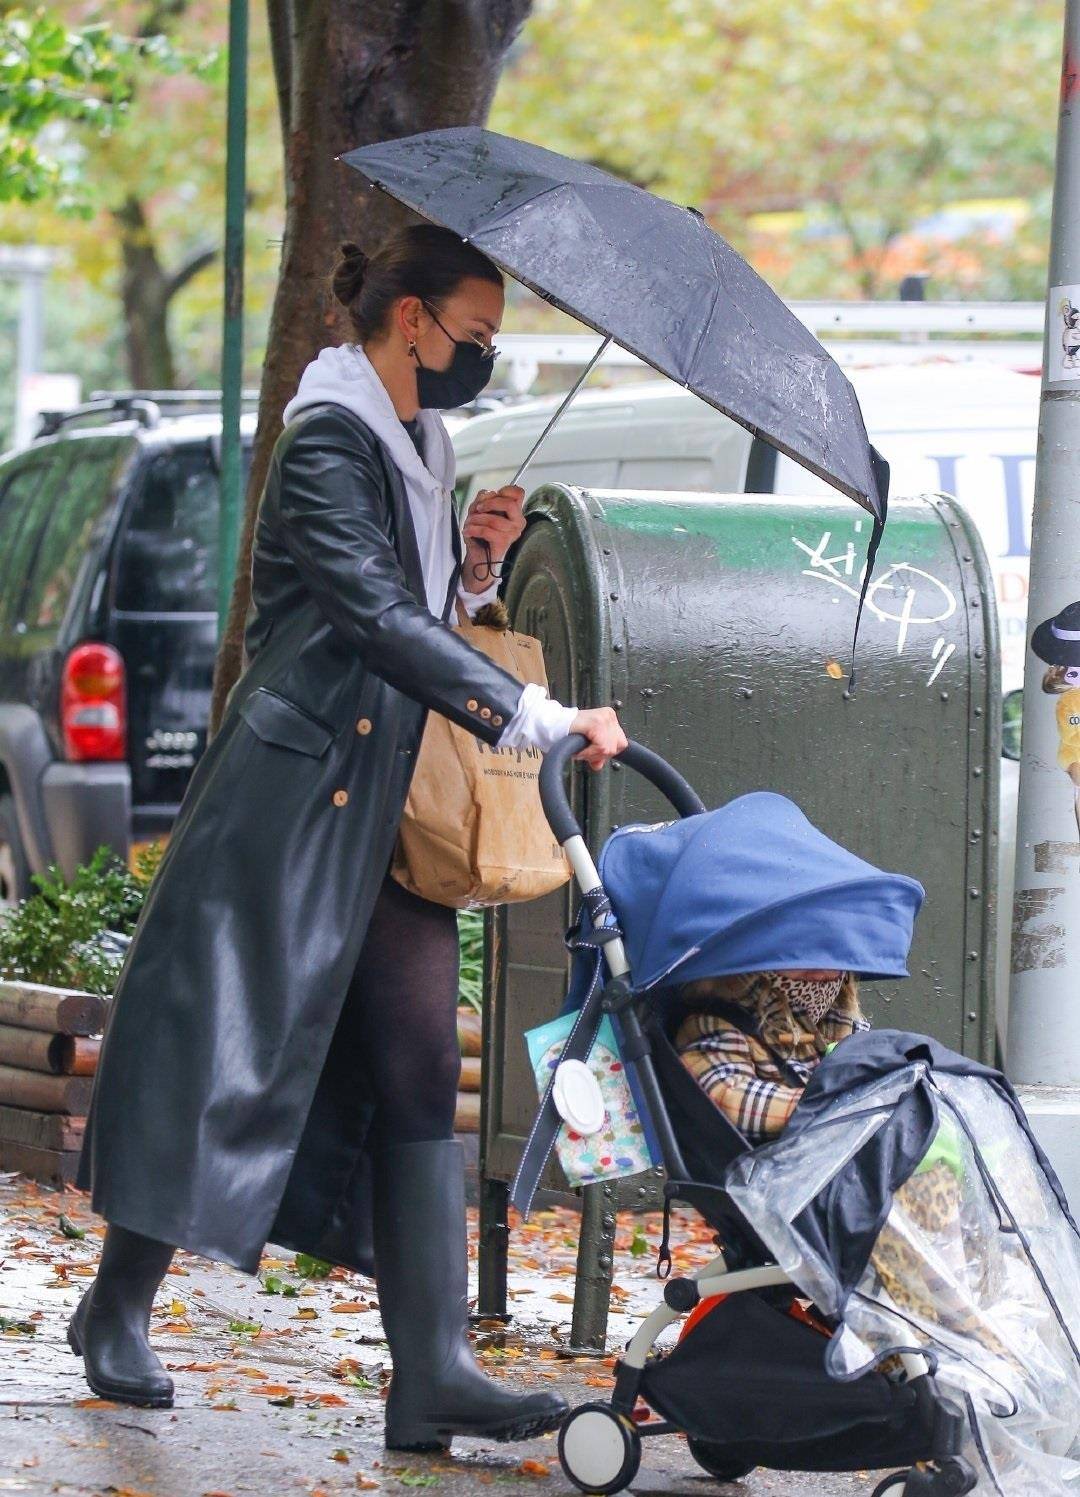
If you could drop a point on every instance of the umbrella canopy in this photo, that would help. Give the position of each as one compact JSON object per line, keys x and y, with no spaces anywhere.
{"x":753,"y":887}
{"x":647,"y":273}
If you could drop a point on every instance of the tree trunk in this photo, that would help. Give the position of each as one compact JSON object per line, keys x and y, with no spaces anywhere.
{"x":146,"y":291}
{"x":347,"y":75}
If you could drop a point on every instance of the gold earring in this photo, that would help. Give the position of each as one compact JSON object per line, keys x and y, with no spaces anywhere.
{"x":412,"y":345}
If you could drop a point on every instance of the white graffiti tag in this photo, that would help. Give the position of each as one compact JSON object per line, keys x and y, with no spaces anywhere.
{"x":904,"y":595}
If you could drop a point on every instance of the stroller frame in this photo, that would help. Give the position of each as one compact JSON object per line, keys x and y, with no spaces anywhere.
{"x":600,"y":1442}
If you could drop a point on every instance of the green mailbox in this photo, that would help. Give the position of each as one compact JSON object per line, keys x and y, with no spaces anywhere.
{"x":720,"y":628}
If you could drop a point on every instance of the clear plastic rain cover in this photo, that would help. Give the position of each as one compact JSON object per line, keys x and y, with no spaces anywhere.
{"x":976,"y":1267}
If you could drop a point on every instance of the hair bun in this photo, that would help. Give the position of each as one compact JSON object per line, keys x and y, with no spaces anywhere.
{"x":349,"y":272}
{"x":355,"y":257}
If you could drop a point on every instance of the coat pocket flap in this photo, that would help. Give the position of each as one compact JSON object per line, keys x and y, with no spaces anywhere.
{"x":277,"y":720}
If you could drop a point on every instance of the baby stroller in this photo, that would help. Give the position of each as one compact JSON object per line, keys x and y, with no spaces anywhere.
{"x":804,"y":1346}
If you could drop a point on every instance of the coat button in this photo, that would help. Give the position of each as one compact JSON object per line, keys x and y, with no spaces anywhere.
{"x":485,"y":711}
{"x":341,"y":797}
{"x":496,"y":721}
{"x":364,"y":726}
{"x":471,"y":705}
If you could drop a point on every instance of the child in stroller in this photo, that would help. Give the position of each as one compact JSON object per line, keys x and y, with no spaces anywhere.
{"x":781,"y":1360}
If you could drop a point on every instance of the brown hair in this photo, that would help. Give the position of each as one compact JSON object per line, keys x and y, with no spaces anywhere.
{"x":422,"y":260}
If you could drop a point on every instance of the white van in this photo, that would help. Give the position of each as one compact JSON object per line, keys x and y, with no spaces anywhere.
{"x":965,"y":429}
{"x":962,"y":429}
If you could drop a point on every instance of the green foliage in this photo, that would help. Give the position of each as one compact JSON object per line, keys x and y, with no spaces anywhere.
{"x":66,"y":81}
{"x":311,"y":1268}
{"x":51,"y":937}
{"x":471,"y":942}
{"x":858,"y":120}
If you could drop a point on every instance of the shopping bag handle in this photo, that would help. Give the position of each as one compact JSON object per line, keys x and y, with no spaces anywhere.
{"x":656,"y":770}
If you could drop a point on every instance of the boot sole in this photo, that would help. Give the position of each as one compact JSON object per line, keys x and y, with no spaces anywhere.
{"x":429,"y":1437}
{"x":117,"y":1395}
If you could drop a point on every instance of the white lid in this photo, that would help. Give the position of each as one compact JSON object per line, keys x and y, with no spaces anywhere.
{"x":578,"y":1098}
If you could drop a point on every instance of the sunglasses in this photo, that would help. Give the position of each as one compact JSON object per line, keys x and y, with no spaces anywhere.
{"x":488,"y":350}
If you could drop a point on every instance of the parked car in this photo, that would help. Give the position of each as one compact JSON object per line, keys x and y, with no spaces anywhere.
{"x":108,"y":625}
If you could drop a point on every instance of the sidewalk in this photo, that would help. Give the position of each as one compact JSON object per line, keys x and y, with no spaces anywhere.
{"x":281,"y":1392}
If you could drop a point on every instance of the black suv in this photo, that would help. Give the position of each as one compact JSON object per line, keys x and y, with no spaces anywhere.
{"x":108,"y":624}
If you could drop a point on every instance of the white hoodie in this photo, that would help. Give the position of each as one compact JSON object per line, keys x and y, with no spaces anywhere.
{"x":346,"y":376}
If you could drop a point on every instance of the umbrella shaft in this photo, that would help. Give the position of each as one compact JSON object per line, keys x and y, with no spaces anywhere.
{"x":566,"y":401}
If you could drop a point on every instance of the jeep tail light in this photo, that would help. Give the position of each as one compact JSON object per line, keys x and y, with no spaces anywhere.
{"x":93,"y":703}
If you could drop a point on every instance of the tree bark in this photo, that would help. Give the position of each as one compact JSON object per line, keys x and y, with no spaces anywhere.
{"x":147,"y":288}
{"x":347,"y":75}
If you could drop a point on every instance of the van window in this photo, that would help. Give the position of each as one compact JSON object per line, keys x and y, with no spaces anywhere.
{"x":168,"y":555}
{"x":74,"y":506}
{"x":586,"y":472}
{"x":24,"y":512}
{"x":678,"y":473}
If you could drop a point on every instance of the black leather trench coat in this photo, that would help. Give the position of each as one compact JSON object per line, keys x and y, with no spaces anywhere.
{"x":226,"y":1110}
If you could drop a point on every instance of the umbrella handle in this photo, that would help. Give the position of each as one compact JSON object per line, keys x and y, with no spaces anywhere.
{"x":656,"y":770}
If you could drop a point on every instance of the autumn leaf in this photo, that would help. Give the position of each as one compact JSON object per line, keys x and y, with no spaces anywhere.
{"x":350,"y":1307}
{"x":534,"y":1468}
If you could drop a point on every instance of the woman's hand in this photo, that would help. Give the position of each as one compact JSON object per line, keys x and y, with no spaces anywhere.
{"x":495,"y":516}
{"x":606,"y":737}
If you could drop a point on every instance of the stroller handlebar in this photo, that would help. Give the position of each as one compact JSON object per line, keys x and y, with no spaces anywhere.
{"x":656,"y":770}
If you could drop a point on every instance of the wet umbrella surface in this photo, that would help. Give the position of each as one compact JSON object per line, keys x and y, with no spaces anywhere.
{"x":651,"y":275}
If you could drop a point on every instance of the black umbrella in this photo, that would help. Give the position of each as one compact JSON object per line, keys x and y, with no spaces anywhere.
{"x":648,"y":274}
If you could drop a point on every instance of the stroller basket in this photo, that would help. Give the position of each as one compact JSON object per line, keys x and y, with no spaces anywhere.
{"x":747,"y":1382}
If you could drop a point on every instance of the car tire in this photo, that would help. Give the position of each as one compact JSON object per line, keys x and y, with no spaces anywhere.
{"x":14,"y":869}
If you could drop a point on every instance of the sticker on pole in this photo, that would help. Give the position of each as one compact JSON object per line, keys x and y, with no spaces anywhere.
{"x":1064,"y":336}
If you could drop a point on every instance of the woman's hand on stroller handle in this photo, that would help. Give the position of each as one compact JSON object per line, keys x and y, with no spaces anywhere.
{"x":605,"y":736}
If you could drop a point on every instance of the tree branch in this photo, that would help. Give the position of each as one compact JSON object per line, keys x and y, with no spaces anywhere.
{"x":190,"y":268}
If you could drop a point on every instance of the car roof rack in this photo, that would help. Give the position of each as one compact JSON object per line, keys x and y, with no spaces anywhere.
{"x":145,"y":406}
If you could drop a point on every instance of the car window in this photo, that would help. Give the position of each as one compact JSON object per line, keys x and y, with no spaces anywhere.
{"x":168,"y":555}
{"x":24,"y":512}
{"x":74,"y":505}
{"x":677,"y":473}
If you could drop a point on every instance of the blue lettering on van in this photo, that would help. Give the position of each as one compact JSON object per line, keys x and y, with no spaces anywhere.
{"x":1011,"y":468}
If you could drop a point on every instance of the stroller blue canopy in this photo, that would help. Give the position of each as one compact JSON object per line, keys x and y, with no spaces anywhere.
{"x":751,"y":887}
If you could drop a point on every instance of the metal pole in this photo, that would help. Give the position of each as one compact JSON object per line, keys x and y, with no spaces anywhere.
{"x":1044,"y":1017}
{"x":232,"y":343}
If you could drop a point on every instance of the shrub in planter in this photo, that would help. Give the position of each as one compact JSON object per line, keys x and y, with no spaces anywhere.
{"x":74,"y":934}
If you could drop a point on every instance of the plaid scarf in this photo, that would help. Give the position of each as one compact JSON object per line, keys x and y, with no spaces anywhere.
{"x":740,"y":1072}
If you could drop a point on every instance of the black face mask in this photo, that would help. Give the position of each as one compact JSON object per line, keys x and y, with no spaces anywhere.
{"x":469,"y":371}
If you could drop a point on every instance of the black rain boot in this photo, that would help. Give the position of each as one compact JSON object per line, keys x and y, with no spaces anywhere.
{"x":421,"y":1269}
{"x":110,"y":1324}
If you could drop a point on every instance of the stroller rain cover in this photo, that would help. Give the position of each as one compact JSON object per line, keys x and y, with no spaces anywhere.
{"x":908,"y":1199}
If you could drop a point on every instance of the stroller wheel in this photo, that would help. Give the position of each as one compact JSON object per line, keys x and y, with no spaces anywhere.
{"x":599,"y":1450}
{"x":716,"y":1460}
{"x":894,"y":1483}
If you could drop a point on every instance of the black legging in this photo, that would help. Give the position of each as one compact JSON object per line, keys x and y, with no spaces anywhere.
{"x":402,"y":1015}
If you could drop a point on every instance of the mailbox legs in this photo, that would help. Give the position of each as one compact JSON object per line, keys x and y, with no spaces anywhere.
{"x":592,"y":1292}
{"x":493,"y":1249}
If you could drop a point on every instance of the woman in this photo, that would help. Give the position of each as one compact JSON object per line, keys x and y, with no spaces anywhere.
{"x":285,"y":1009}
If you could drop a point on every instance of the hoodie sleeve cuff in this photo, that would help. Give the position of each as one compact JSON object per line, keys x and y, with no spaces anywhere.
{"x":475,"y":601}
{"x":539,"y":722}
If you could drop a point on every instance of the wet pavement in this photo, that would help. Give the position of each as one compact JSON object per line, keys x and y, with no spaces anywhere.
{"x":280,"y":1379}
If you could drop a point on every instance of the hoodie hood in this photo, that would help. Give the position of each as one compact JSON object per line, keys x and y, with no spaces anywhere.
{"x":345,"y":375}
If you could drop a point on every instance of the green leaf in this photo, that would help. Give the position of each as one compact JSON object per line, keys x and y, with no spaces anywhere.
{"x":311,"y":1268}
{"x":244,"y":1327}
{"x":69,"y":1229}
{"x":638,"y":1243}
{"x":271,"y":1284}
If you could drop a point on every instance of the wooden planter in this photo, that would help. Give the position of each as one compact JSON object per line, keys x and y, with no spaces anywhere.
{"x":49,"y":1043}
{"x":467,"y":1119}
